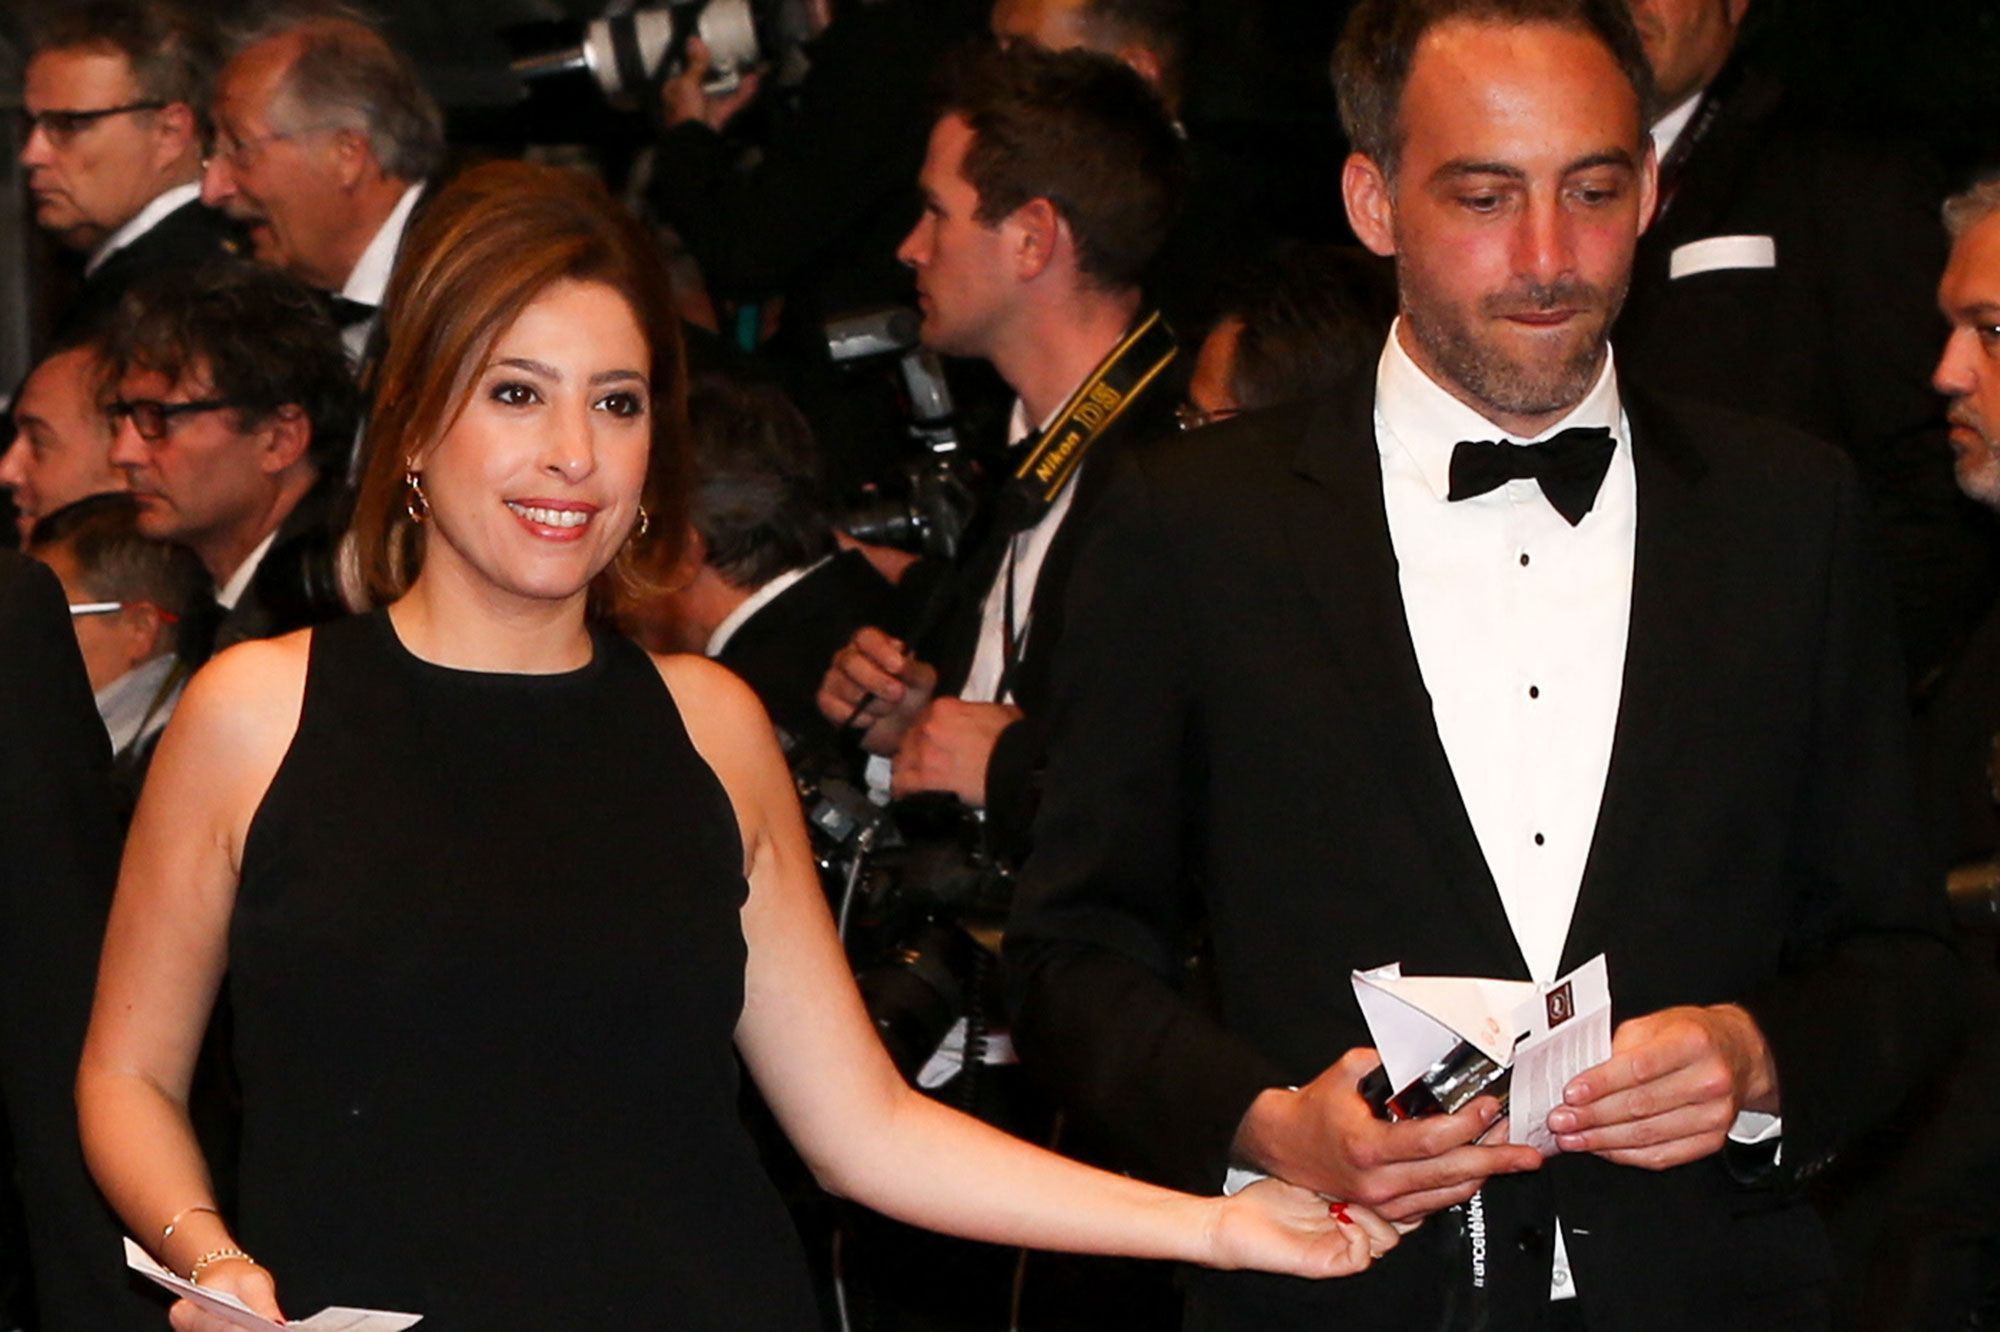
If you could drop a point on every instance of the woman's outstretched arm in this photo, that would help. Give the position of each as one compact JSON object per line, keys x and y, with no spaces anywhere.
{"x":869,"y":1136}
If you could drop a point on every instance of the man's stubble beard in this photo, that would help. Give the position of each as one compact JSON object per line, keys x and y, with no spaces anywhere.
{"x":1480,"y":369}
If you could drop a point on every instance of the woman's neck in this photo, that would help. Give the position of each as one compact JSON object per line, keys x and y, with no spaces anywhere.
{"x":451,"y":623}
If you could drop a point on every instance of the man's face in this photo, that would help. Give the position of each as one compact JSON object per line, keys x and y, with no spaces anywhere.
{"x":1523,"y":184}
{"x":62,"y":442}
{"x":206,"y":482}
{"x":1969,"y":371}
{"x":279,"y":179}
{"x":963,"y":267}
{"x":1687,"y":42}
{"x":88,"y":180}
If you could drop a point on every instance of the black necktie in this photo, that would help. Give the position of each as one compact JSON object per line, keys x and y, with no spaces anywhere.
{"x":1570,"y":467}
{"x":347,"y":313}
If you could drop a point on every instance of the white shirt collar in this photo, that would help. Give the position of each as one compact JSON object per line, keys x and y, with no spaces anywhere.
{"x":232,"y":591}
{"x":755,"y":602}
{"x":124,"y":702}
{"x":370,"y":278}
{"x":1420,"y":416}
{"x":142,"y":222}
{"x":1667,"y":129}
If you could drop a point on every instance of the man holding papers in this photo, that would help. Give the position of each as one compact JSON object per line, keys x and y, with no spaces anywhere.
{"x":1486,"y":664}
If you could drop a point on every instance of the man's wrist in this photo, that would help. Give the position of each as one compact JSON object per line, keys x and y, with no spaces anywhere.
{"x":1750,"y":1056}
{"x":1265,"y":1126}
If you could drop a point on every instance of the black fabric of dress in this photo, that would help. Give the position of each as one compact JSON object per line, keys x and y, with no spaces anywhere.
{"x":486,"y":961}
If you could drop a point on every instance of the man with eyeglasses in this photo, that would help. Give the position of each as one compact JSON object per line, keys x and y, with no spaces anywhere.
{"x":324,"y":138}
{"x":233,"y":407}
{"x":111,"y":135}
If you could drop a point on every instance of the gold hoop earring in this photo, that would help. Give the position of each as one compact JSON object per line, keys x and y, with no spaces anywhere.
{"x":414,"y":501}
{"x":645,"y":523}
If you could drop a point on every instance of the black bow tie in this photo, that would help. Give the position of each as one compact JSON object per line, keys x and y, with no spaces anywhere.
{"x":347,"y":313}
{"x":1570,"y":467}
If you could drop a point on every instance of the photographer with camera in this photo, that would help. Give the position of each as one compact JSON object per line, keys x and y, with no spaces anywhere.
{"x":1050,"y":181}
{"x":233,"y":408}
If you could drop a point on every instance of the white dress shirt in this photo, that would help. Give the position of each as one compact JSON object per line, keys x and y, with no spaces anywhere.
{"x":142,"y":222}
{"x":234,"y":586}
{"x":126,"y":704}
{"x":369,"y":281}
{"x":1667,"y":129}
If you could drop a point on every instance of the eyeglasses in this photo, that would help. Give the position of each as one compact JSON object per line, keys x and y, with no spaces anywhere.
{"x":62,"y":126}
{"x":1190,"y":417}
{"x":78,"y":609}
{"x":232,"y":151}
{"x":150,"y":416}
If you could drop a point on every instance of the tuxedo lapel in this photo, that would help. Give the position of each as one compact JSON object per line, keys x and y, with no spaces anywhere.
{"x":1673,"y":590}
{"x":1338,"y":533}
{"x":1709,"y":183}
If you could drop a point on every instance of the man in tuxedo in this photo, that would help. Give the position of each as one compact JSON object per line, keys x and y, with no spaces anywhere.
{"x":1367,"y":695}
{"x":114,"y":95}
{"x":1788,"y":275}
{"x":1049,"y":185}
{"x":324,"y":138}
{"x":233,"y":410}
{"x":763,"y":588}
{"x":62,"y":838}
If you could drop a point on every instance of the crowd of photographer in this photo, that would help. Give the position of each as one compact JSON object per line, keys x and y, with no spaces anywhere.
{"x":1159,"y":623}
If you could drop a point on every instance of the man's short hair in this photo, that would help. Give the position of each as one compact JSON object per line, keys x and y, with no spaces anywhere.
{"x":116,"y":562}
{"x":1966,"y":210}
{"x":1081,"y":130}
{"x":265,"y":340}
{"x":173,"y":51}
{"x":1372,"y":63}
{"x":1311,"y":316}
{"x":756,"y":498}
{"x":1161,"y":26}
{"x":346,"y":75}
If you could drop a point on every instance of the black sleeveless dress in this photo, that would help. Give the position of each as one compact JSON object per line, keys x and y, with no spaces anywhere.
{"x":486,"y":961}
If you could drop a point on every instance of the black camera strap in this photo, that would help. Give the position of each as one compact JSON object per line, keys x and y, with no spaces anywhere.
{"x":1054,"y":457}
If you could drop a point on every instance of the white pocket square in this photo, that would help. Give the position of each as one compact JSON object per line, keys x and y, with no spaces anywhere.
{"x":1716,"y":252}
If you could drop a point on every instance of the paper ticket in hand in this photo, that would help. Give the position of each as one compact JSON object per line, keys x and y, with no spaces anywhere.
{"x":238,"y":1314}
{"x":1438,"y":1035}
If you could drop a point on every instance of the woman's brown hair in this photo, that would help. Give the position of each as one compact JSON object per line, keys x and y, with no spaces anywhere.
{"x":476,"y":256}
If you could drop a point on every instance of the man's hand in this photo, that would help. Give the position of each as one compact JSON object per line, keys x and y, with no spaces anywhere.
{"x":1324,"y":1138}
{"x":948,"y":748}
{"x":878,"y":671}
{"x":1674,"y":1084}
{"x":682,"y":97}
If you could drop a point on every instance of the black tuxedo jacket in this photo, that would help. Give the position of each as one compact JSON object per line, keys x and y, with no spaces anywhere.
{"x":1013,"y":773}
{"x":1240,"y":709}
{"x":1837,"y":339}
{"x":191,"y":235}
{"x":292,"y":587}
{"x":59,"y":844}
{"x":781,"y":652}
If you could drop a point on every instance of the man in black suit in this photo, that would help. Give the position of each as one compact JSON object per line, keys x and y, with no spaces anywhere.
{"x":763,"y":588}
{"x":61,"y":840}
{"x":1788,"y":275}
{"x":115,"y":91}
{"x":234,"y":409}
{"x":1049,"y":186}
{"x":1490,"y":709}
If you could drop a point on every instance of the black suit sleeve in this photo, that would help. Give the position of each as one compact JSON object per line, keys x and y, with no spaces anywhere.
{"x":59,"y":845}
{"x":1096,"y":944}
{"x":1867,"y":1002}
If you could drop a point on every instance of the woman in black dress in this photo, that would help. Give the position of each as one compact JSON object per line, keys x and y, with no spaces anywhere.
{"x":498,"y":895}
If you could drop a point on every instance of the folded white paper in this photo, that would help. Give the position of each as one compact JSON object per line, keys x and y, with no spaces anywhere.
{"x":1718,"y":253}
{"x":238,"y":1314}
{"x":1546,"y":1033}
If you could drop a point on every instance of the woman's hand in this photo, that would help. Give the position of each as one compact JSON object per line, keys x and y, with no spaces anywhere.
{"x":1273,"y":1226}
{"x":233,"y":1276}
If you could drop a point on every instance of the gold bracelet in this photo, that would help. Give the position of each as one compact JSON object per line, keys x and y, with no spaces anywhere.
{"x":168,"y":1233}
{"x":213,"y":1256}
